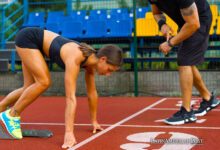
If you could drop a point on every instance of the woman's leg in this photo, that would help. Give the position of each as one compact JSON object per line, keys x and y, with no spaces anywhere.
{"x":35,"y":64}
{"x":12,"y":97}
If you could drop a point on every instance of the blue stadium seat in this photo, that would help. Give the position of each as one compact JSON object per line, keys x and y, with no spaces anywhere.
{"x":119,"y":11}
{"x":52,"y":27}
{"x":53,"y":21}
{"x":103,"y":17}
{"x":35,"y":19}
{"x":107,"y":18}
{"x":122,"y":28}
{"x":72,"y":30}
{"x":78,"y":15}
{"x":96,"y":29}
{"x":62,"y":20}
{"x":131,"y":18}
{"x":53,"y":16}
{"x":87,"y":19}
{"x":80,"y":12}
{"x":141,"y":12}
{"x":98,"y":12}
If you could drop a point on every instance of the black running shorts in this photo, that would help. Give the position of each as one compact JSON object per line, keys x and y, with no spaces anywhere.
{"x":191,"y":51}
{"x":30,"y":37}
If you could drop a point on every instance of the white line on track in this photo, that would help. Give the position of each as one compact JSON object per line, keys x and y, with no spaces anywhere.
{"x":180,"y":98}
{"x":132,"y":126}
{"x":115,"y":125}
{"x":175,"y":109}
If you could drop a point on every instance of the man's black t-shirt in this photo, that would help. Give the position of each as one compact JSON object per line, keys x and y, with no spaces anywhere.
{"x":172,"y":9}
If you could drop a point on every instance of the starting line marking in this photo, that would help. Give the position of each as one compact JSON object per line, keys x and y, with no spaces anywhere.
{"x":176,"y":109}
{"x":132,"y":126}
{"x":115,"y":125}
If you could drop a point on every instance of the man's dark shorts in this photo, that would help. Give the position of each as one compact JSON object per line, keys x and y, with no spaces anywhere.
{"x":191,"y":51}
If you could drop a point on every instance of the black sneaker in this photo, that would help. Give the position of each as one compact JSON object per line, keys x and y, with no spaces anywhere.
{"x":181,"y":117}
{"x":206,"y":106}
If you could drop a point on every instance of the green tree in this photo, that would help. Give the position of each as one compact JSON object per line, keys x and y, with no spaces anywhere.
{"x":77,"y":5}
{"x":12,"y":19}
{"x":122,"y":4}
{"x":142,"y":3}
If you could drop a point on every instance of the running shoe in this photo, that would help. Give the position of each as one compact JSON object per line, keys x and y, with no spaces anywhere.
{"x":11,"y":125}
{"x":206,"y":106}
{"x":181,"y":117}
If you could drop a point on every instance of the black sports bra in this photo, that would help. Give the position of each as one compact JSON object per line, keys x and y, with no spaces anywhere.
{"x":54,"y":51}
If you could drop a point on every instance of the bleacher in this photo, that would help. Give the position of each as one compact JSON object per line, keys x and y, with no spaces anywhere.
{"x":113,"y":26}
{"x":107,"y":22}
{"x":87,"y":24}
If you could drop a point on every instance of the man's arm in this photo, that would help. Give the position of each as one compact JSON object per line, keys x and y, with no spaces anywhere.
{"x":191,"y":17}
{"x":161,"y":21}
{"x":157,"y":13}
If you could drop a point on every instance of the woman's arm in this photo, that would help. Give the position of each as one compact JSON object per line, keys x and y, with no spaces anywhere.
{"x":72,"y":61}
{"x":92,"y":97}
{"x":71,"y":74}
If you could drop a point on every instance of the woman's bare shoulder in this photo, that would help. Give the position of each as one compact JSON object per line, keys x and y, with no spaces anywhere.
{"x":71,"y":51}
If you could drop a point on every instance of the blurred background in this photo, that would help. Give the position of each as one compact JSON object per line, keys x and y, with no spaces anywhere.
{"x":128,"y":23}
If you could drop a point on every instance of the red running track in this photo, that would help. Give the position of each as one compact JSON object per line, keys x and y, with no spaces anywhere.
{"x":129,"y":123}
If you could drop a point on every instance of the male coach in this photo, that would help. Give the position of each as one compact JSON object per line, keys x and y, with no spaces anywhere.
{"x":193,"y":18}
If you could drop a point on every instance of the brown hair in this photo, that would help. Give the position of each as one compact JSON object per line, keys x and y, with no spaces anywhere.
{"x":112,"y":52}
{"x":87,"y":49}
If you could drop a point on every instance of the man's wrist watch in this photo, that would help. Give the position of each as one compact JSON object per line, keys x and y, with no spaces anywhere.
{"x":170,"y":43}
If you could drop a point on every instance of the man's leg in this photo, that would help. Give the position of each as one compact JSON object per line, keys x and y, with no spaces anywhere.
{"x":199,"y":84}
{"x":186,"y":114}
{"x":209,"y":101}
{"x":186,"y":82}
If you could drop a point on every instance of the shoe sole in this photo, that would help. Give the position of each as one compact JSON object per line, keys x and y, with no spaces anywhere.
{"x":206,"y":111}
{"x":4,"y":134}
{"x":215,"y":105}
{"x":179,"y":122}
{"x":6,"y":129}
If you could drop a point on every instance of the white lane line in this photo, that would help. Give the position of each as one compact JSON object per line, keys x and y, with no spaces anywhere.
{"x":59,"y":124}
{"x":180,"y":98}
{"x":176,"y":109}
{"x":46,"y":124}
{"x":169,"y":126}
{"x":132,"y":126}
{"x":115,"y":125}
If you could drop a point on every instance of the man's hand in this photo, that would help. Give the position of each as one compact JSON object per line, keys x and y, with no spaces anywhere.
{"x":96,"y":127}
{"x":165,"y":29}
{"x":165,"y":48}
{"x":69,"y":140}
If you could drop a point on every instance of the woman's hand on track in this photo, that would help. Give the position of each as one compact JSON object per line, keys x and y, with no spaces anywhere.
{"x":69,"y":140}
{"x":96,"y":127}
